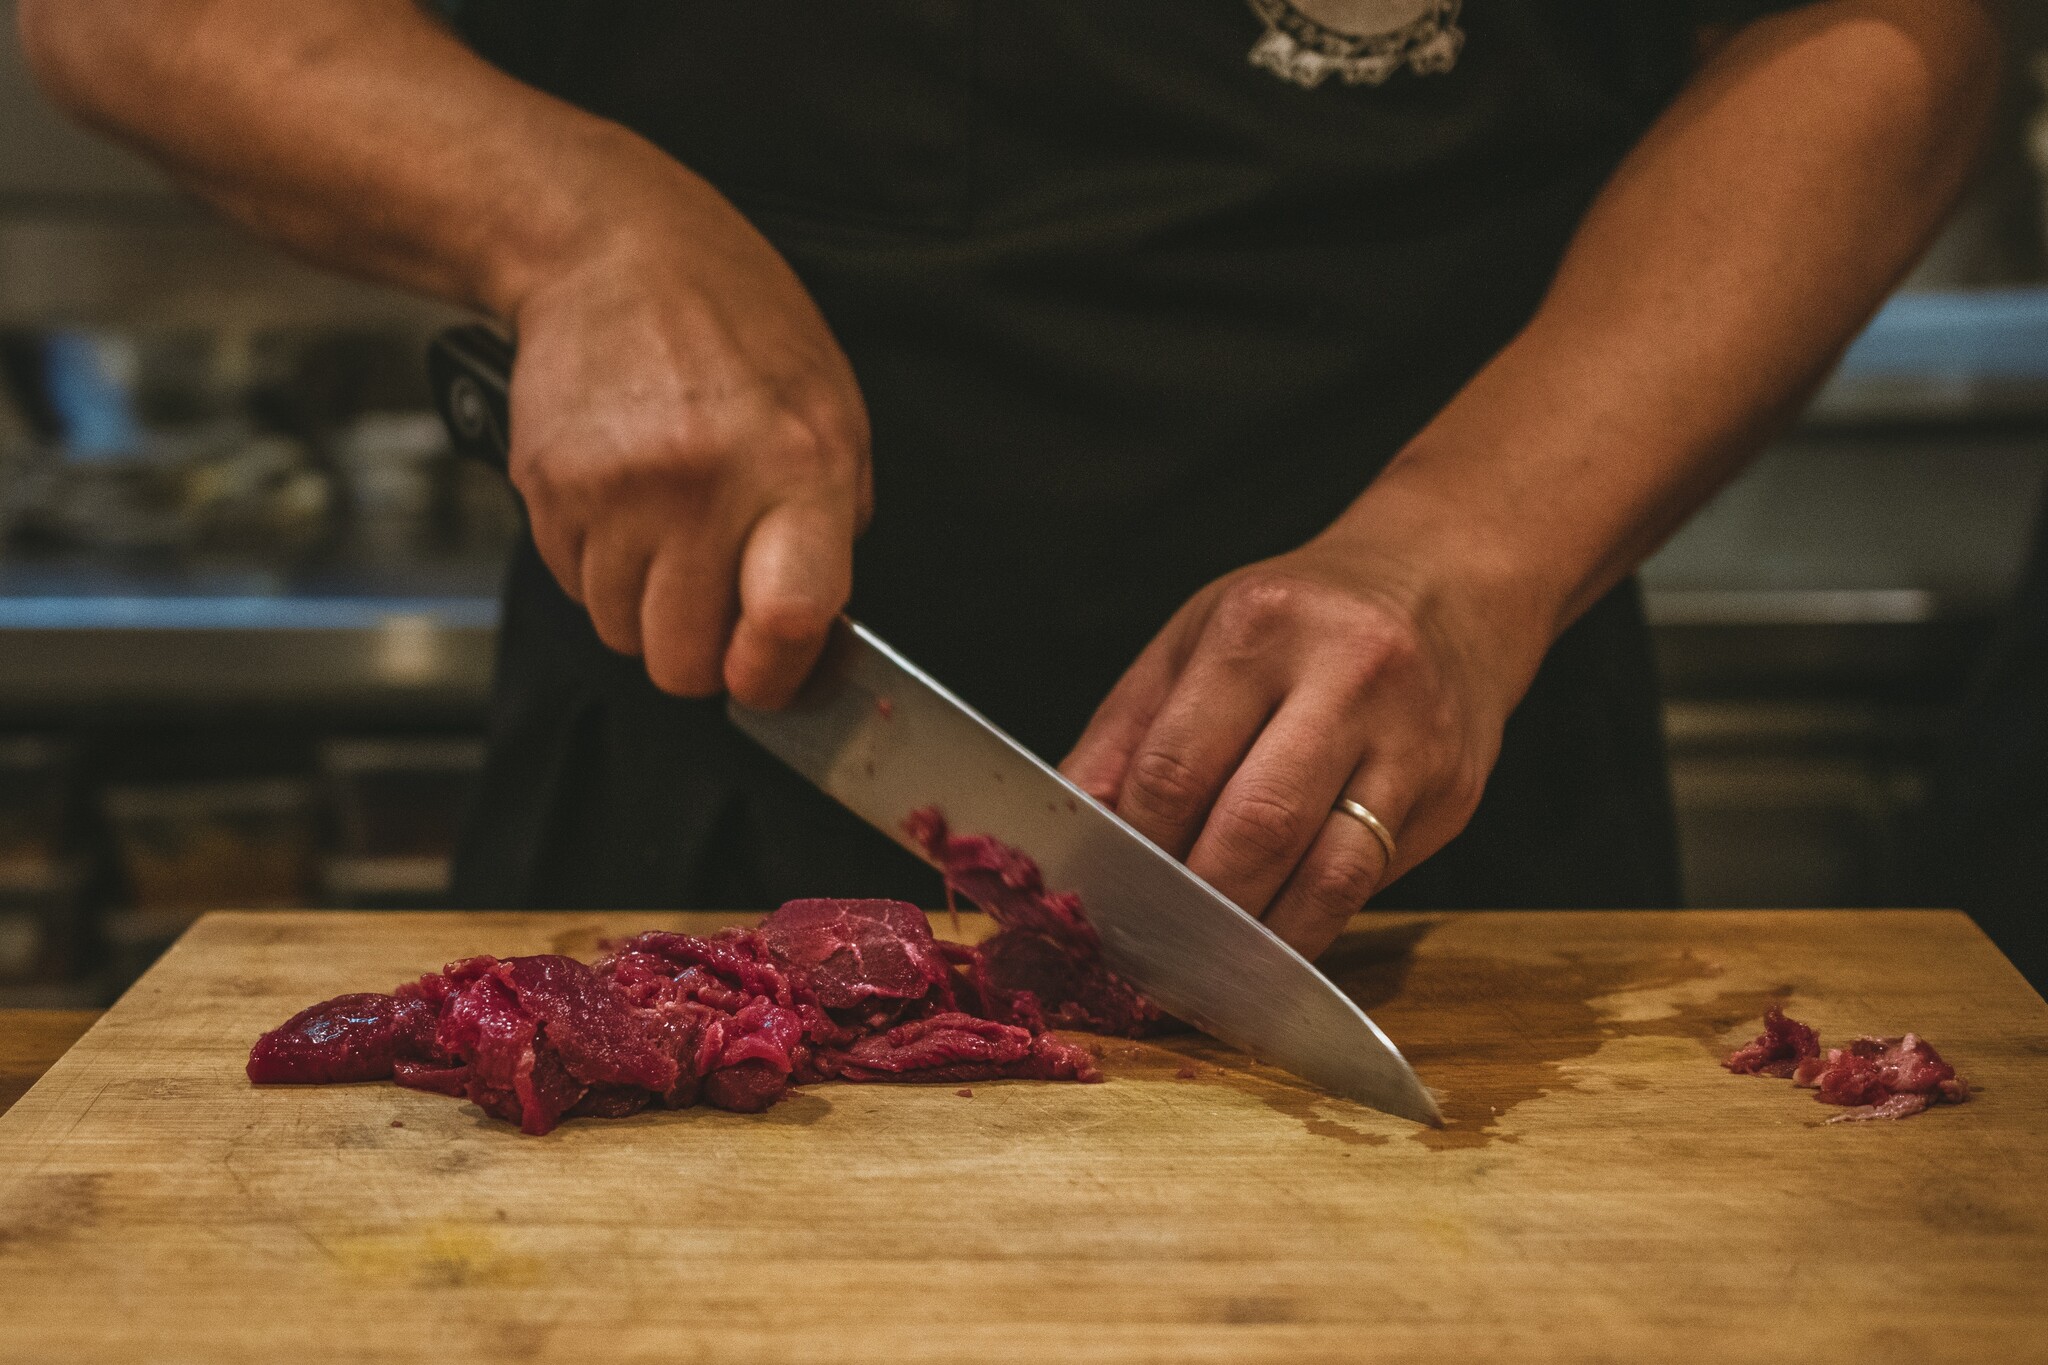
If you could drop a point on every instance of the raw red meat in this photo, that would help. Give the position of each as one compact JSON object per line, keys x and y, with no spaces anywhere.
{"x":1877,"y":1078}
{"x":589,"y":1023}
{"x":1883,"y":1078}
{"x":956,"y":1047}
{"x":1044,"y":964}
{"x":823,"y":990}
{"x":348,"y":1038}
{"x":1782,"y":1046}
{"x":857,"y":951}
{"x":507,"y":1070}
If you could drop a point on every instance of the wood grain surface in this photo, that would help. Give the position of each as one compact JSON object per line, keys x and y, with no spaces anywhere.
{"x":1603,"y":1192}
{"x":31,"y":1041}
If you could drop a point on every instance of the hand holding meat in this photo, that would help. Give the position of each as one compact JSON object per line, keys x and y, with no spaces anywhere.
{"x":691,"y":446}
{"x":1334,"y":671}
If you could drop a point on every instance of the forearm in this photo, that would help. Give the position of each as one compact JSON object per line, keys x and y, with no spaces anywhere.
{"x":358,"y":132}
{"x":1732,"y":256}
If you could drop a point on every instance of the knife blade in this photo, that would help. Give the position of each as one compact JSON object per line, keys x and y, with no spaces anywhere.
{"x":878,"y":735}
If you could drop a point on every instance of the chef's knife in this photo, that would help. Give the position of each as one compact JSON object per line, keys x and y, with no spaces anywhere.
{"x":882,"y":738}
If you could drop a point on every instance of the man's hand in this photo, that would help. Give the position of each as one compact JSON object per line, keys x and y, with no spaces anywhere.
{"x":692,"y":448}
{"x":1324,"y":673}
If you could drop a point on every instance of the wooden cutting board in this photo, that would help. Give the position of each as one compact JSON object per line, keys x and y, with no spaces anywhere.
{"x":1604,"y":1190}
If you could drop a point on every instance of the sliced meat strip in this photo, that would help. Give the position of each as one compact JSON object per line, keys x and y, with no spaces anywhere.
{"x":349,"y":1038}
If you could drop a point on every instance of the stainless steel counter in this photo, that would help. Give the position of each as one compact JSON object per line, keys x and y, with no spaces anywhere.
{"x":387,"y":653}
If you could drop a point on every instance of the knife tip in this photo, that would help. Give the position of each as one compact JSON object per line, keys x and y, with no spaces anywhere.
{"x":1413,"y":1101}
{"x":1422,"y":1107}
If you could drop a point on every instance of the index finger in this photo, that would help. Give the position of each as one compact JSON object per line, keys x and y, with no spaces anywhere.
{"x":1100,"y":758}
{"x":796,"y":573}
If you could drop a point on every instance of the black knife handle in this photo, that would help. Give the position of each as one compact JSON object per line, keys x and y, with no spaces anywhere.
{"x":470,"y":368}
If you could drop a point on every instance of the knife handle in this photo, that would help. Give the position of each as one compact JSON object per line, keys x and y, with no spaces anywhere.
{"x":470,"y":368}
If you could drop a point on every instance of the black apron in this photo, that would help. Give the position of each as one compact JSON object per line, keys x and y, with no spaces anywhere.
{"x":1983,"y":838}
{"x":1130,"y":309}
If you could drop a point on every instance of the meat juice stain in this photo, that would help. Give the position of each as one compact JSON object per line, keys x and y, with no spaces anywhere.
{"x":1489,"y":1034}
{"x":1304,"y":1103}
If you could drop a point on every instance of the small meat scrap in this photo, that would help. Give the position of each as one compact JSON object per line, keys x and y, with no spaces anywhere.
{"x":822,"y":990}
{"x":1044,"y":965}
{"x":1874,"y":1078}
{"x":1778,"y":1050}
{"x":1882,"y":1078}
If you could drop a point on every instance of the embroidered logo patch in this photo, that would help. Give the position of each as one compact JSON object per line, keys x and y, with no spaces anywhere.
{"x":1360,"y":41}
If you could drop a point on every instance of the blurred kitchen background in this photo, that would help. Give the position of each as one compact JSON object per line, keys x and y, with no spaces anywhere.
{"x":246,"y":595}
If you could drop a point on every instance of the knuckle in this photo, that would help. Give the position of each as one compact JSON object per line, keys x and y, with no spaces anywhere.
{"x":682,"y":675}
{"x":1372,"y":650}
{"x":764,"y":691}
{"x":1258,"y":826}
{"x":1163,"y":784}
{"x":800,"y":440}
{"x":792,"y":620}
{"x":678,"y":460}
{"x":536,"y":473}
{"x":1338,"y":886}
{"x":675,"y":462}
{"x":1256,"y":607}
{"x":1467,"y":786}
{"x":825,"y":451}
{"x":686,"y":451}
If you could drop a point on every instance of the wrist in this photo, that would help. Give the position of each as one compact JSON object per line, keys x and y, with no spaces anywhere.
{"x":1457,"y":573}
{"x":605,"y":189}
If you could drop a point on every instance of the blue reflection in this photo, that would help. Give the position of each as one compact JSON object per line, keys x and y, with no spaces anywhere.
{"x":86,"y":378}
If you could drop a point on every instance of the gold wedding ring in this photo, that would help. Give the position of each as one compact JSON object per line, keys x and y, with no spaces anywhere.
{"x":1370,"y":821}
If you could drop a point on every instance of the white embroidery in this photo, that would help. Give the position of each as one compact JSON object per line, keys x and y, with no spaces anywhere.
{"x":1361,"y":41}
